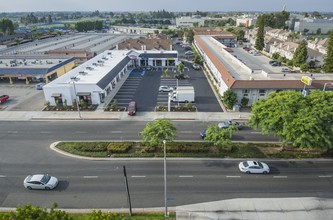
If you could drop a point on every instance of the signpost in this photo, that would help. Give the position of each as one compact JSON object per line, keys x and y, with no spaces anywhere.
{"x":307,"y":82}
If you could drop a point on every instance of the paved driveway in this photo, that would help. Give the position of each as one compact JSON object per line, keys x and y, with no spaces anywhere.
{"x":22,"y":97}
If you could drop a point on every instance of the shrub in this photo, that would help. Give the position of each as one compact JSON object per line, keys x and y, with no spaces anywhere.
{"x":90,"y":146}
{"x":119,"y":147}
{"x":194,"y":147}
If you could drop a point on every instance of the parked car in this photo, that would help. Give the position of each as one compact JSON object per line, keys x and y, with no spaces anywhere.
{"x":39,"y":86}
{"x":285,"y":70}
{"x":3,"y":98}
{"x":131,"y":108}
{"x":196,"y":66}
{"x":227,"y":124}
{"x":275,"y":63}
{"x":165,"y":89}
{"x":253,"y":167}
{"x":188,"y":53}
{"x":40,"y":181}
{"x":188,"y":48}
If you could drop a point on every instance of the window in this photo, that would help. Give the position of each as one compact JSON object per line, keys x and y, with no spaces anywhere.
{"x":246,"y":92}
{"x":262,"y":92}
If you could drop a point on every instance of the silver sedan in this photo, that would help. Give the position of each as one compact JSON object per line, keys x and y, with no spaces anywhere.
{"x":40,"y":181}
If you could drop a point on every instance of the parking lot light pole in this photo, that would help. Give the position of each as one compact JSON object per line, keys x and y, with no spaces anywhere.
{"x":326,"y":84}
{"x":77,"y":101}
{"x":165,"y":183}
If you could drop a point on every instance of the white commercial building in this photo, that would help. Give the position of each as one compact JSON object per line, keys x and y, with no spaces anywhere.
{"x":92,"y":81}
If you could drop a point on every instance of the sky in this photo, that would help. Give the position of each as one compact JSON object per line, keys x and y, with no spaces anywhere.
{"x":168,"y":5}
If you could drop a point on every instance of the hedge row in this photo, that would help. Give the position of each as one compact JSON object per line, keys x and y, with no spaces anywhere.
{"x":193,"y":147}
{"x":90,"y":146}
{"x":120,"y":147}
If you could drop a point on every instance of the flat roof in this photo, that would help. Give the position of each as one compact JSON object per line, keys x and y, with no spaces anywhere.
{"x":96,"y":69}
{"x":242,"y":66}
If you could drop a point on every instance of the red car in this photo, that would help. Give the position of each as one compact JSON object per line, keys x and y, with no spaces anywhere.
{"x":4,"y":98}
{"x":132,"y":108}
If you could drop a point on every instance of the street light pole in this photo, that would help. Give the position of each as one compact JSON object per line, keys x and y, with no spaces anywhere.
{"x":165,"y":183}
{"x":326,"y":84}
{"x":77,"y":101}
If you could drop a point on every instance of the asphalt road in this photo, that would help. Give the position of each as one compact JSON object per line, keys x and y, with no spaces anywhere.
{"x":24,"y":149}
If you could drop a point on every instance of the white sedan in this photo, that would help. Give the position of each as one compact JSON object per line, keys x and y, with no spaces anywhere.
{"x":253,"y":167}
{"x":40,"y":181}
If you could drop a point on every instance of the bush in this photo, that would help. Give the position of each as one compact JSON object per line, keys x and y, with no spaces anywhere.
{"x":194,"y":147}
{"x":119,"y":147}
{"x":90,"y":146}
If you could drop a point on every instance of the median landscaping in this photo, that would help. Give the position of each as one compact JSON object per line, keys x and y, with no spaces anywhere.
{"x":186,"y":149}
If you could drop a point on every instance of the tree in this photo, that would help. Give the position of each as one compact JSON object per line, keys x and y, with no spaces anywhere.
{"x":154,"y":133}
{"x":260,"y":40}
{"x":31,"y":212}
{"x":229,"y":98}
{"x":297,"y":120}
{"x":180,"y":68}
{"x":6,"y":26}
{"x":328,"y":61}
{"x":166,"y":73}
{"x":220,"y":136}
{"x":301,"y":54}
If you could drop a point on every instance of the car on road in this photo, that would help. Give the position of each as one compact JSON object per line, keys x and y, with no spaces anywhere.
{"x":285,"y":70}
{"x":196,"y":66}
{"x":274,"y":63}
{"x":165,"y":89}
{"x":188,"y":53}
{"x":131,"y":108}
{"x":252,"y":166}
{"x":180,"y":76}
{"x":227,"y":124}
{"x":40,"y":181}
{"x":203,"y":133}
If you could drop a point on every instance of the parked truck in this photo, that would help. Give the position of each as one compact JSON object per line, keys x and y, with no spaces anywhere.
{"x":182,"y":94}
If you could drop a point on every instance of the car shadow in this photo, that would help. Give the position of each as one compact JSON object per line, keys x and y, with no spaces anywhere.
{"x":62,"y":185}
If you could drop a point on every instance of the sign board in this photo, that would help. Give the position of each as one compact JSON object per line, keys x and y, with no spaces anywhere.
{"x":306,"y":80}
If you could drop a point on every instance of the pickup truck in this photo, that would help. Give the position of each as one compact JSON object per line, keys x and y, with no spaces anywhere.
{"x":4,"y":98}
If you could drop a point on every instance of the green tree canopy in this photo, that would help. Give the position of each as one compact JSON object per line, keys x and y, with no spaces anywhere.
{"x":297,"y":120}
{"x":37,"y":213}
{"x":155,"y":132}
{"x":180,"y":68}
{"x":301,"y":54}
{"x":229,"y":98}
{"x":260,"y":39}
{"x":328,"y":61}
{"x":6,"y":26}
{"x":220,"y":136}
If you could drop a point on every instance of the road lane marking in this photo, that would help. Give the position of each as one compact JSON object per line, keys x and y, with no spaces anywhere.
{"x":2,"y":176}
{"x":233,"y":176}
{"x":327,"y":176}
{"x":185,"y":176}
{"x":45,"y":132}
{"x":186,"y":132}
{"x":80,"y":132}
{"x":116,"y":132}
{"x":280,"y":177}
{"x":255,"y":132}
{"x":138,"y":176}
{"x":90,"y":177}
{"x":12,"y":132}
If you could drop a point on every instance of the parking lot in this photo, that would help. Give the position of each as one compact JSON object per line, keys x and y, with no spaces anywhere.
{"x":143,"y":86}
{"x":22,"y":97}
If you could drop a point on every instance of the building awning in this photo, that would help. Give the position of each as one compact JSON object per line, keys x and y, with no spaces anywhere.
{"x":56,"y":95}
{"x":83,"y":94}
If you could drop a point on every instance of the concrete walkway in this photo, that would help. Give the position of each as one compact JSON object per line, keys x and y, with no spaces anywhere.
{"x":101,"y":115}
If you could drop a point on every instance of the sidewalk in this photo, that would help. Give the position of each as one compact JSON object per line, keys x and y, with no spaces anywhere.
{"x":141,"y":116}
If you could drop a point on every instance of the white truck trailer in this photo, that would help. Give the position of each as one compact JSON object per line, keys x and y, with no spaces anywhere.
{"x":182,"y":94}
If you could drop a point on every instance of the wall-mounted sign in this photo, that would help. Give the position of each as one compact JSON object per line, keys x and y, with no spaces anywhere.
{"x":306,"y":80}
